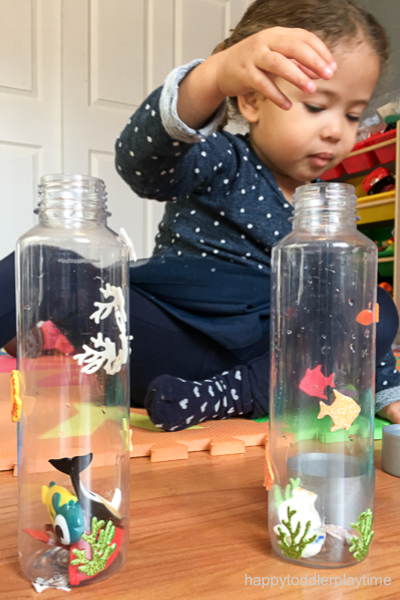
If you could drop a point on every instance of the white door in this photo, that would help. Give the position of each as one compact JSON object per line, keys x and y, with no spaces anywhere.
{"x":30,"y":109}
{"x":71,"y":74}
{"x":114,"y":54}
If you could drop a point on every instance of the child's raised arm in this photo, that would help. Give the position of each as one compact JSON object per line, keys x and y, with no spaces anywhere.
{"x":296,"y":55}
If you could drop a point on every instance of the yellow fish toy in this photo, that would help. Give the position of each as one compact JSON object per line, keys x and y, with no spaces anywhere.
{"x":65,"y":513}
{"x":343,"y":411}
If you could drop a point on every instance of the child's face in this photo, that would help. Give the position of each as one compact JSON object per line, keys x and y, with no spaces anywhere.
{"x":319,"y":131}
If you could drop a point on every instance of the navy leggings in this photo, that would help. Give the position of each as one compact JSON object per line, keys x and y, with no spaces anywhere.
{"x":164,"y":345}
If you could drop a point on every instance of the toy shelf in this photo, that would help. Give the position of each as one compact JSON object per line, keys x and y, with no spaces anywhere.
{"x":379,"y":208}
{"x":388,"y":259}
{"x":376,"y":208}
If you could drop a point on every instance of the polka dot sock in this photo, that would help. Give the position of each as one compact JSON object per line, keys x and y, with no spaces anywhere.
{"x":174,"y":403}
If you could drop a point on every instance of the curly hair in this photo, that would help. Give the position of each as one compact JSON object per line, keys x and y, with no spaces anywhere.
{"x":333,"y":21}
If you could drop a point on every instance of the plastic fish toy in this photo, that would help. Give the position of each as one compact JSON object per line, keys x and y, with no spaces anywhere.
{"x":92,"y":504}
{"x":367,"y":317}
{"x":314,"y":383}
{"x":65,"y":513}
{"x":343,"y":411}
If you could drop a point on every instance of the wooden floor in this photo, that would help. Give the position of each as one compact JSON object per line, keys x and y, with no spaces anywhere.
{"x":199,"y":527}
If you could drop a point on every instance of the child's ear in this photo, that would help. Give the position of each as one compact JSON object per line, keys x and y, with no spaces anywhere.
{"x":249,"y":106}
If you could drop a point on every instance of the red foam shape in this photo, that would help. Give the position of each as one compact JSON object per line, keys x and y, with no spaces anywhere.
{"x":314,"y":383}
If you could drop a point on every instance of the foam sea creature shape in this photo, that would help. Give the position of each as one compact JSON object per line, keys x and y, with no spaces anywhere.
{"x":314,"y":382}
{"x":93,"y":505}
{"x":65,"y":513}
{"x":17,"y":392}
{"x":343,"y":411}
{"x":367,"y":317}
{"x":303,"y":503}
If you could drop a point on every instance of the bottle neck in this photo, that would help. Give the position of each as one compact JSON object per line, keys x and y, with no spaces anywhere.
{"x":72,"y":201}
{"x":325,"y":208}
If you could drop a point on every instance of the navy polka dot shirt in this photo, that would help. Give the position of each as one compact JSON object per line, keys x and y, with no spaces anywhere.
{"x":221,"y":202}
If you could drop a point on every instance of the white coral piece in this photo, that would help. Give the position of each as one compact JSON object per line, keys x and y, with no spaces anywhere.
{"x":105,"y":308}
{"x":107,"y":357}
{"x":95,"y":359}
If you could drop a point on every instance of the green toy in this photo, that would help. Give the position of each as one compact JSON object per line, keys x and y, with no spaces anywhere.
{"x":279,"y":498}
{"x":101,"y":549}
{"x":294,"y":549}
{"x":360,"y":546}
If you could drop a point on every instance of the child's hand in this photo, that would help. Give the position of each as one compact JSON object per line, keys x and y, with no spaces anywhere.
{"x":252,"y":64}
{"x":391,"y":412}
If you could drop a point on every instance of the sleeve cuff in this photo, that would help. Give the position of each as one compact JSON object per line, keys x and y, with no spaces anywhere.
{"x":169,"y":114}
{"x":386,"y":397}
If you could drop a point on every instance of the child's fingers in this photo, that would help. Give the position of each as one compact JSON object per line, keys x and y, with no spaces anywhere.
{"x":291,"y":47}
{"x":305,"y":48}
{"x":308,"y":72}
{"x":262,"y":83}
{"x":317,"y":44}
{"x":283,"y":67}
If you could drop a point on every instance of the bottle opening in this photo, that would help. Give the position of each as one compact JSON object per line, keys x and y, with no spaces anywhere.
{"x":324,"y":204}
{"x":72,"y":197}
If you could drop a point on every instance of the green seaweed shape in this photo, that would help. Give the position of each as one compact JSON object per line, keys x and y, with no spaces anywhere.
{"x":294,"y":549}
{"x":101,"y":549}
{"x":360,"y":546}
{"x":294,"y":483}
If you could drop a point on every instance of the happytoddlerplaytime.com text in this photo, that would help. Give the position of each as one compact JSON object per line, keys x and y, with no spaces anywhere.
{"x":316,"y":580}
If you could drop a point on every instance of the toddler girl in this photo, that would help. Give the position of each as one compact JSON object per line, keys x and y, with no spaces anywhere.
{"x":301,"y":73}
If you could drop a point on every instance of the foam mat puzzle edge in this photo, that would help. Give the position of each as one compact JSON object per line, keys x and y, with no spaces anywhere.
{"x":220,"y":438}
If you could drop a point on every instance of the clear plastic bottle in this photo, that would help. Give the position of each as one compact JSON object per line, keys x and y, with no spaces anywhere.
{"x":72,"y":387}
{"x":323,"y":315}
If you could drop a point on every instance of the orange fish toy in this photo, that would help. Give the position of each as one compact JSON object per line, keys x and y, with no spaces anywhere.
{"x":367,"y":317}
{"x":314,"y":383}
{"x":343,"y":411}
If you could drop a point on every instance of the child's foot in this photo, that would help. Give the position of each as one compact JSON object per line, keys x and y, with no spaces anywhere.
{"x":174,"y":403}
